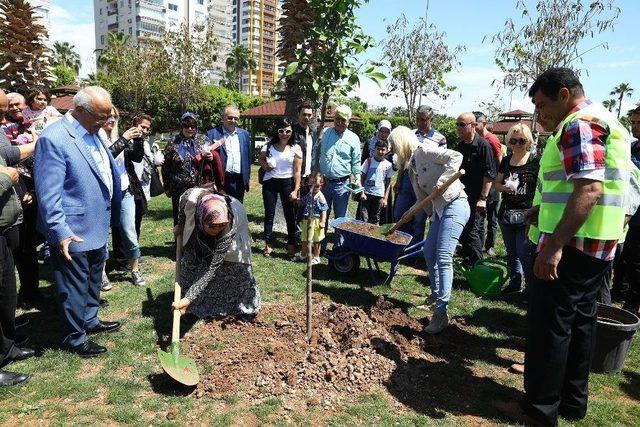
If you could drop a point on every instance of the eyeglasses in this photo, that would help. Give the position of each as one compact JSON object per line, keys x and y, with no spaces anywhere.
{"x":284,"y":131}
{"x":99,"y":122}
{"x":519,"y":141}
{"x":186,"y":126}
{"x":463,"y":124}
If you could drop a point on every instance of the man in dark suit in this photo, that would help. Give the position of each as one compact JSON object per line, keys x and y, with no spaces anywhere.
{"x":78,"y":188}
{"x":234,"y":147}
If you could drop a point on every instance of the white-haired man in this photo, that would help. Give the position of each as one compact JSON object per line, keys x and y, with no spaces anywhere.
{"x":339,"y":161}
{"x":78,"y":187}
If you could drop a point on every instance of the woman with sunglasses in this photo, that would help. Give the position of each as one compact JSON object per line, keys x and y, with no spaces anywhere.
{"x":184,"y":158}
{"x":281,"y":160}
{"x":516,"y":179}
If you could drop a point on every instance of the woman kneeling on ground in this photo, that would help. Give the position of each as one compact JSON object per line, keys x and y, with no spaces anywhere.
{"x":215,"y":268}
{"x":428,"y":168}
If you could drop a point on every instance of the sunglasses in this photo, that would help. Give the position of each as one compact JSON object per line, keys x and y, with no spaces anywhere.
{"x":284,"y":131}
{"x":518,"y":141}
{"x":186,"y":126}
{"x":463,"y":124}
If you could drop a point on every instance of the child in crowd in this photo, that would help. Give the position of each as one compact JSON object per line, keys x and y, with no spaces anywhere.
{"x":318,"y":220}
{"x":376,"y":180}
{"x":38,"y":112}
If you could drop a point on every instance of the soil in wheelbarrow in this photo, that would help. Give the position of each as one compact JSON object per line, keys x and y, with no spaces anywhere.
{"x":372,"y":230}
{"x":351,"y":352}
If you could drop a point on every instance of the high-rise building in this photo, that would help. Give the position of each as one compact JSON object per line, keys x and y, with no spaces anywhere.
{"x":42,"y":8}
{"x":149,"y":19}
{"x":255,"y":26}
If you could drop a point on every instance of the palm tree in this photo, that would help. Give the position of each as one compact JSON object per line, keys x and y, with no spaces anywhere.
{"x":116,"y":43}
{"x":296,"y":15}
{"x":65,"y":55}
{"x":24,"y":56}
{"x":621,"y":90}
{"x":609,"y":104}
{"x":240,"y":59}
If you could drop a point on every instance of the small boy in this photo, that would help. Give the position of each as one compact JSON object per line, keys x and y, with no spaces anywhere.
{"x":376,"y":180}
{"x":318,"y":220}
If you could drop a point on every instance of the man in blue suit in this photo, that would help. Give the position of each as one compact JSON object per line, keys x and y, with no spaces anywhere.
{"x":78,"y":188}
{"x":235,"y":152}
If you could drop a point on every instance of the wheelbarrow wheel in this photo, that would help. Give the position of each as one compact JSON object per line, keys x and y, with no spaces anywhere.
{"x":343,"y":261}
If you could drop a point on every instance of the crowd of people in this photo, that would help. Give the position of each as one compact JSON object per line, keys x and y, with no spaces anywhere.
{"x":563,"y":215}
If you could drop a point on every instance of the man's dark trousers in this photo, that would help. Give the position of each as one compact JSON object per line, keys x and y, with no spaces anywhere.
{"x":492,"y":220}
{"x":234,"y":185}
{"x":561,"y":337}
{"x":8,"y":296}
{"x":78,"y":286}
{"x":472,"y":237}
{"x":631,"y":254}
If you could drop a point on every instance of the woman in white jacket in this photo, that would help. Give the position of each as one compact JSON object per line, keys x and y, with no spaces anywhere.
{"x":429,"y":167}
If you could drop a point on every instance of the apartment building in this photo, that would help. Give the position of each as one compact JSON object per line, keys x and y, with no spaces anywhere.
{"x":149,"y":19}
{"x":255,"y":25}
{"x":42,"y":9}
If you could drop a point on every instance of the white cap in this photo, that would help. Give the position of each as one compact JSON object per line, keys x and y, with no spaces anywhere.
{"x":384,"y":124}
{"x":344,"y":112}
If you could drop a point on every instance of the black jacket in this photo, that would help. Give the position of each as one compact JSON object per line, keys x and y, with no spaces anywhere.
{"x":133,"y":152}
{"x":478,"y":162}
{"x":301,"y":140}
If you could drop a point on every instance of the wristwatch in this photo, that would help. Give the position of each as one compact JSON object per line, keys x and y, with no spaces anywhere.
{"x":483,"y":198}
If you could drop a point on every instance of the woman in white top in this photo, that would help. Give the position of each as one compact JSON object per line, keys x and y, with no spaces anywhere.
{"x":281,"y":162}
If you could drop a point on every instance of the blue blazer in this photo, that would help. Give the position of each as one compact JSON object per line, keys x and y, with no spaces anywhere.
{"x":245,"y":151}
{"x":73,"y":198}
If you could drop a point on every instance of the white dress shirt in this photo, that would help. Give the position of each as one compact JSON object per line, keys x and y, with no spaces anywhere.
{"x":232,"y":145}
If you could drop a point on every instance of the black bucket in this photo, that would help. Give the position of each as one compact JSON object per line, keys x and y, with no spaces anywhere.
{"x":614,"y":331}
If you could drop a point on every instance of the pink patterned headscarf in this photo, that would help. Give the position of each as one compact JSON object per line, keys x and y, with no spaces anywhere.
{"x":211,"y":210}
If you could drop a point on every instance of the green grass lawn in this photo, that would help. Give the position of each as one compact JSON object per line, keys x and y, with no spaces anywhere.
{"x":127,"y":386}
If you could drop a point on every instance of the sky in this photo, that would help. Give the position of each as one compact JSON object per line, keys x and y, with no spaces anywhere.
{"x":465,"y":22}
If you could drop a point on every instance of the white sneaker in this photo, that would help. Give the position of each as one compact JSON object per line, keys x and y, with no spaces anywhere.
{"x":438,"y":323}
{"x":315,"y":261}
{"x":106,"y":284}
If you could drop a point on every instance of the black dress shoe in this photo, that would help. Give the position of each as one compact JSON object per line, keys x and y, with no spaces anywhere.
{"x":88,"y":349}
{"x":103,"y":303}
{"x":16,"y":353}
{"x":104,"y":326}
{"x":20,"y":340}
{"x":12,"y":378}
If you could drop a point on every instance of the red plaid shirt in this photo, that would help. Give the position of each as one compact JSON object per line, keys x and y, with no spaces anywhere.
{"x":582,"y":149}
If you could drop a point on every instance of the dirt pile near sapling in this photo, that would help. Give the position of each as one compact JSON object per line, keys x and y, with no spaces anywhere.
{"x":346,"y":355}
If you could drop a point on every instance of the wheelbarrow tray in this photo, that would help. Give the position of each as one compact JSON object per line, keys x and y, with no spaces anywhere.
{"x":367,"y":246}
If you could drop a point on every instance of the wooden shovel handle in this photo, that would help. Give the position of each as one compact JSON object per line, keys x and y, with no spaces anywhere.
{"x":421,"y":204}
{"x":175,"y":330}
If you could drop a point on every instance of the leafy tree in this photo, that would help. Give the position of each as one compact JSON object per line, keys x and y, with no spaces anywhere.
{"x":240,"y":59}
{"x":65,"y":76}
{"x":116,"y":45}
{"x":551,"y":36}
{"x":609,"y":104}
{"x":418,"y":59}
{"x":65,"y":55}
{"x":621,"y":90}
{"x":24,"y":56}
{"x":321,"y":56}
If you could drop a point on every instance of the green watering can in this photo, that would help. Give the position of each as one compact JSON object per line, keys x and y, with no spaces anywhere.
{"x":486,"y":277}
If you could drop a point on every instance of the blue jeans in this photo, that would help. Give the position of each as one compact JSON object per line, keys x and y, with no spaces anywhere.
{"x":440,"y":246}
{"x":129,"y":237}
{"x":519,"y":252}
{"x":337,"y":195}
{"x":404,"y":201}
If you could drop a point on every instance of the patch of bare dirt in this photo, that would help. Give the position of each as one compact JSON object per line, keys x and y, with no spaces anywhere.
{"x":373,"y":231}
{"x":348,"y":353}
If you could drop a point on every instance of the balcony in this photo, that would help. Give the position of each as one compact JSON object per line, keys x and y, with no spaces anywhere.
{"x":151,"y":4}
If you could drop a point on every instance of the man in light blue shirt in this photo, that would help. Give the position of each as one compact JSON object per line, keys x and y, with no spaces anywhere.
{"x":339,"y":162}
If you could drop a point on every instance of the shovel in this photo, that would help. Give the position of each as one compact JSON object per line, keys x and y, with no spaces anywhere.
{"x":387,"y":229}
{"x":180,"y":368}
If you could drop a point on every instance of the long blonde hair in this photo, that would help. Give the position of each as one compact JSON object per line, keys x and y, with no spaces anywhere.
{"x":404,"y":142}
{"x":113,"y":137}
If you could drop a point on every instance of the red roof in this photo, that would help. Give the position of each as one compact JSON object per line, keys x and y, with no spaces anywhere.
{"x":276,"y":109}
{"x":516,"y":113}
{"x":502,"y":126}
{"x":63,"y":103}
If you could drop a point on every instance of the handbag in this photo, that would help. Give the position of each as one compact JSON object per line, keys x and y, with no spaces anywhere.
{"x":155,"y":188}
{"x":261,"y":171}
{"x":514,"y":217}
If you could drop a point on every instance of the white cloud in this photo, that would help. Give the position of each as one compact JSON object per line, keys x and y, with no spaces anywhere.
{"x":66,"y":27}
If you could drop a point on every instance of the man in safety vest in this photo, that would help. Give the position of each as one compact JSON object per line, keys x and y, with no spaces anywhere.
{"x":580,"y":210}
